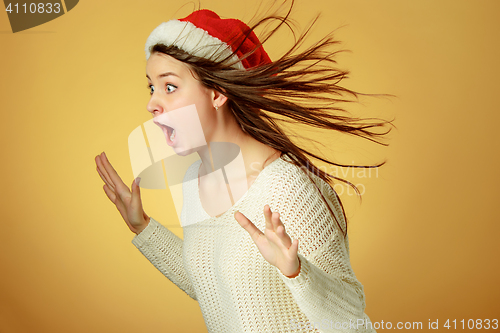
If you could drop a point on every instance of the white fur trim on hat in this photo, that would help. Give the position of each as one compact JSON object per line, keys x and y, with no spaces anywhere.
{"x":191,"y":39}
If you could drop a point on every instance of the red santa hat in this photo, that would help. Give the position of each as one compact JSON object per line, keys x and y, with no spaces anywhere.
{"x":204,"y":34}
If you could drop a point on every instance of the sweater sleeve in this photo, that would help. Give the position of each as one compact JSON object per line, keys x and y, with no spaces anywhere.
{"x":326,"y":289}
{"x":164,"y":250}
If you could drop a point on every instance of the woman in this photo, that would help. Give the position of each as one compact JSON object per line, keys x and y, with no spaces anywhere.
{"x":276,"y":258}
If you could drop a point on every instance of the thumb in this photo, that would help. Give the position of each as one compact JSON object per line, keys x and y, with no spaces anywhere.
{"x":137,"y":181}
{"x":136,"y":192}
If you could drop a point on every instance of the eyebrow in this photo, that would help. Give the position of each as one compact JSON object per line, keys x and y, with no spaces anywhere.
{"x":164,"y":75}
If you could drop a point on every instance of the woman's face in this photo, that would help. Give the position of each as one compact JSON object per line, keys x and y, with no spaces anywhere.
{"x":180,"y":104}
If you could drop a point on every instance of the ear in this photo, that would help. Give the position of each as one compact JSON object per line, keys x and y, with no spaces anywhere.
{"x":218,"y":98}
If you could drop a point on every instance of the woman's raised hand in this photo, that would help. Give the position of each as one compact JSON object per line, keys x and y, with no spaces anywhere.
{"x":274,"y":244}
{"x":128,"y":203}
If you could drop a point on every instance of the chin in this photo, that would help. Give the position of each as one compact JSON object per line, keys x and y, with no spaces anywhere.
{"x":184,"y":152}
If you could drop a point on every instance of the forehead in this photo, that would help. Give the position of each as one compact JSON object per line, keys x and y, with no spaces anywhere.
{"x":159,"y":63}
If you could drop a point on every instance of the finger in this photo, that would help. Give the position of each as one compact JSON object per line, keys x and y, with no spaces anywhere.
{"x":254,"y":232}
{"x":106,"y":181}
{"x":102,"y":171}
{"x":119,"y":205}
{"x":120,"y":188}
{"x":136,"y":194}
{"x":268,"y":216}
{"x":111,"y":195}
{"x":280,"y":230}
{"x":294,"y":248}
{"x":113,"y":175}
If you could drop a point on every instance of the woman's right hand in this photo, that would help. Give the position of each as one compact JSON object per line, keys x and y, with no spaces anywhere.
{"x":128,"y":203}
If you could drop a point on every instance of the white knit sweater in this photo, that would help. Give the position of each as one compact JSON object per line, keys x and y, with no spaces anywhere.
{"x":218,"y":264}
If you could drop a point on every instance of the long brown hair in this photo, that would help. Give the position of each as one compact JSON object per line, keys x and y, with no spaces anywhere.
{"x":301,"y":86}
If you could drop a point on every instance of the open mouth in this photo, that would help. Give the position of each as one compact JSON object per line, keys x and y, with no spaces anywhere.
{"x":170,"y":134}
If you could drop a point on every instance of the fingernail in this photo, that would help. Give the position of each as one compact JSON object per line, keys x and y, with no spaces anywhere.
{"x":138,"y":180}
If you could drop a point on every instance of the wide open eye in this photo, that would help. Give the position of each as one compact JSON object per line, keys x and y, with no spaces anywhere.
{"x":152,"y":89}
{"x":170,"y":88}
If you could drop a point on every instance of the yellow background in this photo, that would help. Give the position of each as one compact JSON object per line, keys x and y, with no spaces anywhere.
{"x":423,"y":241}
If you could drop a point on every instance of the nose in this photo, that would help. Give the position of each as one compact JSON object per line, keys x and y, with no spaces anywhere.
{"x":154,"y":107}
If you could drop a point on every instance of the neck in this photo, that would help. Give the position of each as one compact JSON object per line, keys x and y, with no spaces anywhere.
{"x":229,"y":141}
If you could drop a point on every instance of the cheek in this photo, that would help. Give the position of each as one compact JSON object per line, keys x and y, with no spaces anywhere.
{"x":177,"y":100}
{"x":192,"y":125}
{"x":191,"y":94}
{"x":207,"y":117}
{"x":191,"y":110}
{"x":205,"y":109}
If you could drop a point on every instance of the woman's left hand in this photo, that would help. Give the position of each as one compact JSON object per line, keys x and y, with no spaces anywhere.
{"x":274,"y":244}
